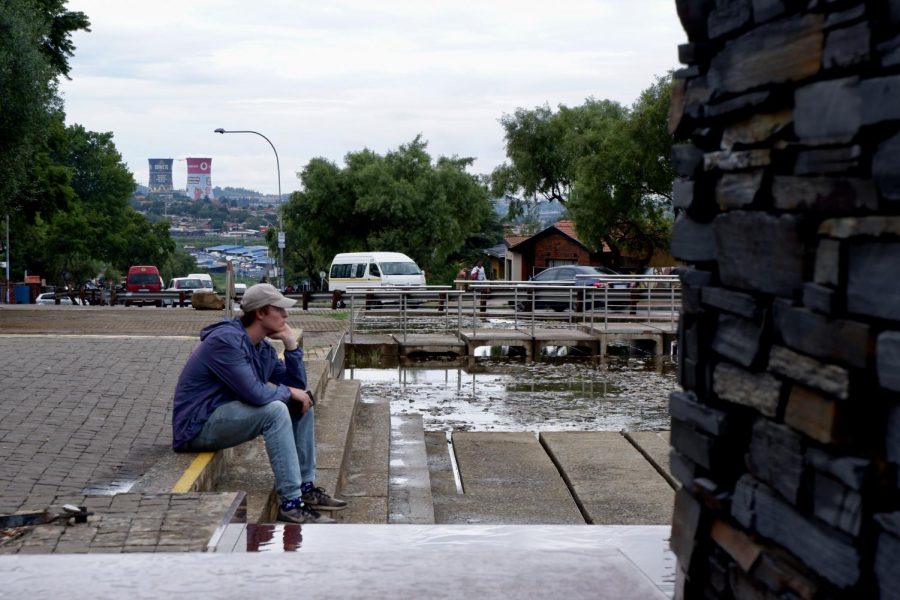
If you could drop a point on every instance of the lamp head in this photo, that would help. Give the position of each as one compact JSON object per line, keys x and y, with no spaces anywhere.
{"x":220,"y":130}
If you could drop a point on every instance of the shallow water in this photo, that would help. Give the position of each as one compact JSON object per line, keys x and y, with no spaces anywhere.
{"x":517,"y":396}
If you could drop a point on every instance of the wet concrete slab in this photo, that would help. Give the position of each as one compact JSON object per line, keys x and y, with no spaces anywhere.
{"x":654,"y":445}
{"x":410,"y":486}
{"x":612,"y":482}
{"x":412,"y":561}
{"x":365,"y":486}
{"x":508,"y":478}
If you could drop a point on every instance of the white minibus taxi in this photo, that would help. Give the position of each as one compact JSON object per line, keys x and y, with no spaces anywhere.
{"x":373,"y":269}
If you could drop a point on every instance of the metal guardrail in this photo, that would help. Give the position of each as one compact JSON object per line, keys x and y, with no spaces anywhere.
{"x":514,"y":305}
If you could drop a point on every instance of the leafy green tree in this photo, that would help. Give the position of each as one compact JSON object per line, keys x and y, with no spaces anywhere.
{"x":401,"y":201}
{"x":608,"y":164}
{"x":35,"y":44}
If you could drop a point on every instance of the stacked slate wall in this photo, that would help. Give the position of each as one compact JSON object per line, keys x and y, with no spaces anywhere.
{"x":786,"y":438}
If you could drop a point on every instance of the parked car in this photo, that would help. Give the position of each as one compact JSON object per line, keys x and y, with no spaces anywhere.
{"x":142,"y":279}
{"x":189,"y":285}
{"x":573,"y":276}
{"x":49,"y":298}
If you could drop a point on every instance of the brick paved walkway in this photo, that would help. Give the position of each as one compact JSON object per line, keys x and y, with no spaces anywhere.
{"x":85,"y":399}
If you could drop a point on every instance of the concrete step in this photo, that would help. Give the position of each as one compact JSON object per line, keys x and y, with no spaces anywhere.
{"x":335,"y":413}
{"x":366,"y":484}
{"x":611,"y":480}
{"x":410,"y":486}
{"x":507,"y":478}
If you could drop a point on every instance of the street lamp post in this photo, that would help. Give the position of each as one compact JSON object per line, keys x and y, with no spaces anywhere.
{"x":280,"y":207}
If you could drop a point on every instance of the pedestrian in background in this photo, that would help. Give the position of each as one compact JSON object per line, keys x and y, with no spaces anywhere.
{"x":478,"y":272}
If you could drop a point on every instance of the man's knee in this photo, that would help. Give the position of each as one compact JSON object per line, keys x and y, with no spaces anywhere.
{"x":276,"y":411}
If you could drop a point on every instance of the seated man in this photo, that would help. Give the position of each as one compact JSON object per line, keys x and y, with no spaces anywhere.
{"x":234,"y":388}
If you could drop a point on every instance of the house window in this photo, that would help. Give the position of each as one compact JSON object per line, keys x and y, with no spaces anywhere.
{"x":560,"y":262}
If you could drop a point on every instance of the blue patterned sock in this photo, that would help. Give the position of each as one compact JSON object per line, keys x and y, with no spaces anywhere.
{"x":306,"y":487}
{"x":291,"y":504}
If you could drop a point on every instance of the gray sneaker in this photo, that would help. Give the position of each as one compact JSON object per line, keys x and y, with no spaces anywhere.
{"x":303,"y":514}
{"x":320,"y":500}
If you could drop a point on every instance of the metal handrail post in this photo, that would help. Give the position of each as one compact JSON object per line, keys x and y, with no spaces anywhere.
{"x":459,"y":304}
{"x":474,"y":309}
{"x":606,"y":308}
{"x":351,"y":318}
{"x":403,"y":315}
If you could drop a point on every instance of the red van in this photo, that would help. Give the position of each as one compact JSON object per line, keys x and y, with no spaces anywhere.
{"x":142,"y":279}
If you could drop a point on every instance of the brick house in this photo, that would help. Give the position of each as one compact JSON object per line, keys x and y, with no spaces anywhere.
{"x":554,"y":246}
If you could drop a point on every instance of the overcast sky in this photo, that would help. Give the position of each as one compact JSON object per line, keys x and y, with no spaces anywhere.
{"x":331,"y":77}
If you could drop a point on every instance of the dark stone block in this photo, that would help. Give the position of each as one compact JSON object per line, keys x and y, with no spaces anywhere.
{"x":828,"y":111}
{"x":889,"y":522}
{"x":694,"y":53}
{"x":894,"y":11}
{"x":683,"y":469}
{"x":728,"y":18}
{"x":737,"y":106}
{"x":682,"y":193}
{"x":677,"y":119}
{"x":890,"y":52}
{"x":738,"y":190}
{"x":729,"y":160}
{"x":690,"y":300}
{"x":738,"y":303}
{"x":693,"y":241}
{"x":850,"y":227}
{"x":760,"y":252}
{"x":775,"y":456}
{"x":837,"y":505}
{"x":816,"y":415}
{"x":887,"y":557}
{"x":892,"y":434}
{"x":848,"y":342}
{"x":828,"y":263}
{"x":824,"y":194}
{"x":766,"y":10}
{"x":779,"y":52}
{"x":819,"y":298}
{"x":852,"y":471}
{"x":831,"y":160}
{"x":759,"y":127}
{"x":826,"y":551}
{"x":884,"y":168}
{"x":687,"y":160}
{"x":831,"y":379}
{"x":848,"y":46}
{"x":879,"y":99}
{"x":693,"y":15}
{"x":738,"y":339}
{"x":686,"y":72}
{"x":759,"y":391}
{"x":691,"y":277}
{"x":694,"y":444}
{"x":685,"y":407}
{"x":873,"y":288}
{"x":687,"y":519}
{"x":888,"y":360}
{"x":837,"y":19}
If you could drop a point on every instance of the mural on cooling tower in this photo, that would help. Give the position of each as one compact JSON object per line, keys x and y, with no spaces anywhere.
{"x":199,"y":178}
{"x":160,"y":179}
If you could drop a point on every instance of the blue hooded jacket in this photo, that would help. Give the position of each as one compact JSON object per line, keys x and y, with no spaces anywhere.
{"x":227,"y":366}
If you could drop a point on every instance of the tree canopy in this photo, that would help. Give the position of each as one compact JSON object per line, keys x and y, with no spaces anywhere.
{"x":65,"y":189}
{"x":608,"y":164}
{"x":401,"y":201}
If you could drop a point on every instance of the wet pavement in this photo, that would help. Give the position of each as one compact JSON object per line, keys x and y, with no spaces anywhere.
{"x":518,"y":396}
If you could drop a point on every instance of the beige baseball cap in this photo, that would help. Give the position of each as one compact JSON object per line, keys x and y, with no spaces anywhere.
{"x":264,"y":294}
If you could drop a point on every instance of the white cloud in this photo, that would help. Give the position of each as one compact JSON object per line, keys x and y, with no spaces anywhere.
{"x":328,"y":78}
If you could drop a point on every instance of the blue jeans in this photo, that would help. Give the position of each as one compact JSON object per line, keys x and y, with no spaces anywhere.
{"x":291,"y":445}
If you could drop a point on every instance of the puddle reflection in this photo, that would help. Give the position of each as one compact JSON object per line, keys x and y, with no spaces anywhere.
{"x":519,"y":396}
